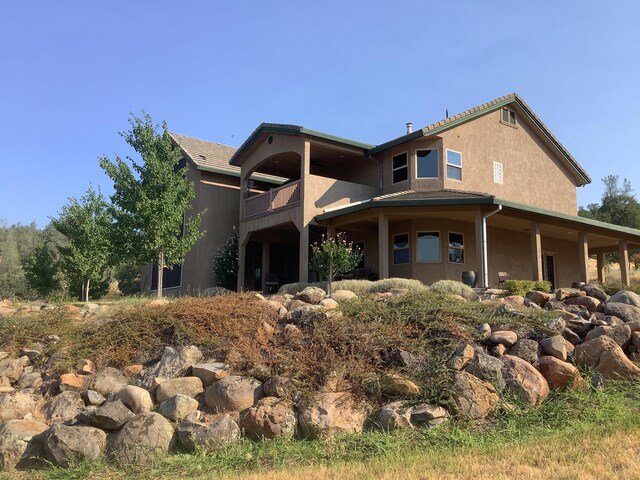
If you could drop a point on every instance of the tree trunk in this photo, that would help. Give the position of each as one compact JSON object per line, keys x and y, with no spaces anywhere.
{"x":330,"y":279}
{"x":86,"y":291}
{"x":160,"y":272}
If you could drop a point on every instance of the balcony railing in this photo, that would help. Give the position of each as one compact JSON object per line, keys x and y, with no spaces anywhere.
{"x":272,"y":200}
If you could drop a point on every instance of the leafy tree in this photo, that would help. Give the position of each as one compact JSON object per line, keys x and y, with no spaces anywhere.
{"x":41,"y":267}
{"x":225,"y":263}
{"x":333,"y":257}
{"x":129,"y":279}
{"x":151,"y":199}
{"x":618,"y":205}
{"x":86,"y":224}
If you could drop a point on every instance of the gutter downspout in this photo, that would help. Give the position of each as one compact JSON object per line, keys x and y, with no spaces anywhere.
{"x":485,"y":263}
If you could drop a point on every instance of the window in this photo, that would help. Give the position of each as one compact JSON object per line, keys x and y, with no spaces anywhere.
{"x":427,"y":163}
{"x":399,"y":168}
{"x":428,"y":249}
{"x":401,"y":249}
{"x":359,"y":247}
{"x":454,"y":165}
{"x":171,"y":277}
{"x":508,"y":116}
{"x":456,"y":247}
{"x":497,"y":172}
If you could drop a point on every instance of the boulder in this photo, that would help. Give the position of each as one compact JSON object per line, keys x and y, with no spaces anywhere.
{"x":557,"y":325}
{"x":21,"y":444}
{"x":233,"y":393}
{"x":63,"y":408}
{"x":473,"y":398}
{"x":331,"y":413}
{"x":628,"y":313}
{"x":462,"y":356}
{"x":30,"y":380}
{"x":555,"y":346}
{"x":526,"y":349}
{"x":12,"y":368}
{"x":343,"y":295}
{"x":92,"y":398}
{"x":143,"y":440}
{"x":328,"y":304}
{"x":595,"y":291}
{"x":110,"y":416}
{"x":109,"y":381}
{"x":484,"y":330}
{"x":271,"y":417}
{"x":590,"y":303}
{"x":571,"y":336}
{"x":487,"y":368}
{"x":178,"y":407}
{"x":539,"y":298}
{"x":395,"y":416}
{"x":396,"y":385}
{"x":291,"y":333}
{"x":190,"y":386}
{"x":514,"y":300}
{"x":173,"y":363}
{"x":15,"y":405}
{"x":625,"y":296}
{"x":559,"y":374}
{"x":504,"y":337}
{"x":65,"y":445}
{"x":73,"y":382}
{"x":621,"y":334}
{"x":312,"y":295}
{"x":136,"y":399}
{"x":210,"y":372}
{"x":524,"y":381}
{"x":194,"y":435}
{"x":306,"y":316}
{"x":426,"y":415}
{"x":606,"y":356}
{"x":276,"y":386}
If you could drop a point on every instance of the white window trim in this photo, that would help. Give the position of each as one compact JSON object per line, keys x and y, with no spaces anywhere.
{"x":393,"y":247}
{"x":398,"y":168}
{"x":416,"y":162}
{"x":439,"y":246}
{"x":495,"y":164}
{"x":454,"y":166}
{"x":464,"y":256}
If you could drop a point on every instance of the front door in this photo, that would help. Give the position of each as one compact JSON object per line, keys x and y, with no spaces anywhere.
{"x":549,"y":269}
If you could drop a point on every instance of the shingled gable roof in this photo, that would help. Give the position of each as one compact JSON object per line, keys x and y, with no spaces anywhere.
{"x":455,"y":120}
{"x":214,"y":157}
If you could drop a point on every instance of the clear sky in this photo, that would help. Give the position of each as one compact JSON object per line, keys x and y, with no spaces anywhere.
{"x":71,"y":71}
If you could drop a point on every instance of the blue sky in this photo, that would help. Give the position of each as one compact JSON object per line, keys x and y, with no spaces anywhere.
{"x":71,"y":71}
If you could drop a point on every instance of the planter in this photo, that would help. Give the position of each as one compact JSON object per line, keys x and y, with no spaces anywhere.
{"x":470,"y":278}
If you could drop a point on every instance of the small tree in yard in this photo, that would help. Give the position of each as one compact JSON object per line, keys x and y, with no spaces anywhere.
{"x":86,"y":225}
{"x":41,"y":267}
{"x":225,"y":264}
{"x":333,"y":257}
{"x":151,"y":200}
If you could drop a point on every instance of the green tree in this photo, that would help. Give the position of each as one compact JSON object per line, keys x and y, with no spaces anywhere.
{"x":86,"y":254}
{"x":151,"y":199}
{"x":333,"y":257}
{"x":225,"y":263}
{"x":618,"y":204}
{"x":41,"y":267}
{"x":129,"y":279}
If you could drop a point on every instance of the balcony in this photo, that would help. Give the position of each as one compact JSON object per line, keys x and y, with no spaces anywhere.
{"x":273,"y":200}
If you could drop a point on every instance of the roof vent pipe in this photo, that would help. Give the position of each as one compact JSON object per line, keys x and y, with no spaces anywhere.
{"x":409,"y":127}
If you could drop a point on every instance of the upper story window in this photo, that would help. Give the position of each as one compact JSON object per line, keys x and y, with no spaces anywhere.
{"x":454,"y":165}
{"x":508,"y":116}
{"x":497,"y":172}
{"x":428,"y":247}
{"x":399,"y":168}
{"x":427,"y":163}
{"x":401,"y":249}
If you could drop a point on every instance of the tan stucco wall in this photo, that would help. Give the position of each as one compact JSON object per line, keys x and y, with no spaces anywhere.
{"x":533,"y":175}
{"x":323,"y":192}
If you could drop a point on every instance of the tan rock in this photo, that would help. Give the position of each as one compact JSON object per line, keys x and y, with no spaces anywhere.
{"x":233,"y":393}
{"x":73,"y":381}
{"x":560,"y":374}
{"x":463,"y":355}
{"x":131,"y":370}
{"x":472,"y":397}
{"x":524,"y":381}
{"x":514,"y":300}
{"x":606,"y":356}
{"x":331,"y":413}
{"x":504,"y":337}
{"x":86,"y":366}
{"x":343,"y":295}
{"x":396,"y":385}
{"x":136,"y":399}
{"x":271,"y":417}
{"x":190,"y":386}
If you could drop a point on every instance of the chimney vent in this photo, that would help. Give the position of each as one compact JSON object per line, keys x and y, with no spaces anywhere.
{"x":409,"y":127}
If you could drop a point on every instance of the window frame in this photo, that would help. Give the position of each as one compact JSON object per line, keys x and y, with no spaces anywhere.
{"x":394,"y":249}
{"x":495,"y":164}
{"x":437,"y":162}
{"x":439,"y":246}
{"x":453,"y":165}
{"x":511,"y":114}
{"x":456,"y":248}
{"x":395,"y":169}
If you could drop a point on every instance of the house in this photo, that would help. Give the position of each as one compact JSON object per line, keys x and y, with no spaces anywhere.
{"x":489,"y":190}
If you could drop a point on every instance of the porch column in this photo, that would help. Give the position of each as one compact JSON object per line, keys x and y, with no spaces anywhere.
{"x":583,"y":251}
{"x":383,"y":246}
{"x":266,"y":249}
{"x":479,"y":250}
{"x":600,"y":263}
{"x":536,"y":252}
{"x":242,"y":251}
{"x":623,"y":253}
{"x":303,"y":272}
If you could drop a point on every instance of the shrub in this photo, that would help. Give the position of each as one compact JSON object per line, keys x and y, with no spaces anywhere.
{"x":360,"y":287}
{"x":225,"y":264}
{"x":521,"y":287}
{"x":613,"y":287}
{"x":129,"y":279}
{"x":452,"y":287}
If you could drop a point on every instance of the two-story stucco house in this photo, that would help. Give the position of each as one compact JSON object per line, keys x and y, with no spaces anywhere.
{"x":488,"y":190}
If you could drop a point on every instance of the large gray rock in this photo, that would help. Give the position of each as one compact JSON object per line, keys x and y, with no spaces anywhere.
{"x":193,"y":435}
{"x":331,"y":413}
{"x":271,"y":417}
{"x":92,"y":398}
{"x":621,"y":334}
{"x":173,"y":363}
{"x":526,"y":349}
{"x":15,"y":405}
{"x":210,"y":372}
{"x":277,"y":386}
{"x":233,"y":393}
{"x":65,"y":445}
{"x":555,"y":346}
{"x":395,"y":416}
{"x":63,"y":407}
{"x":524,"y":381}
{"x":473,"y":398}
{"x":190,"y":386}
{"x":312,"y":295}
{"x":462,"y":356}
{"x":608,"y":359}
{"x":487,"y":368}
{"x":178,"y":407}
{"x":143,"y":440}
{"x":590,"y":303}
{"x":626,"y":297}
{"x":109,"y":381}
{"x":594,"y":291}
{"x":136,"y":399}
{"x":504,"y":337}
{"x":110,"y":416}
{"x":628,"y":313}
{"x":21,"y":444}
